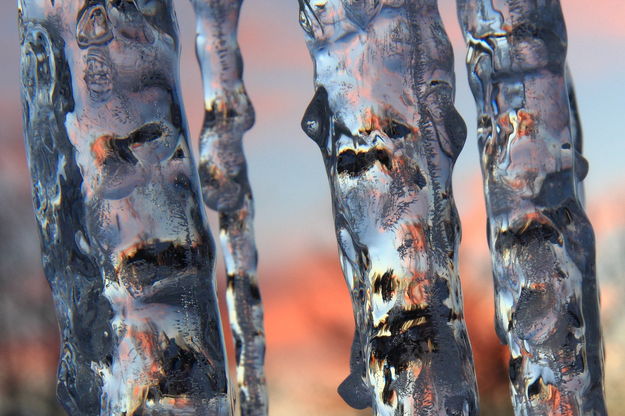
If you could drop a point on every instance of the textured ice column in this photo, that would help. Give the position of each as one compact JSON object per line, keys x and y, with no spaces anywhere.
{"x":541,"y":241}
{"x":125,"y":243}
{"x":389,"y":134}
{"x":223,"y":174}
{"x":577,"y":137}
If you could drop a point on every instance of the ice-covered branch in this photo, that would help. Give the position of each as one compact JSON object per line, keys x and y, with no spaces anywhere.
{"x":384,"y":118}
{"x":541,"y":241}
{"x":223,"y":173}
{"x":125,"y":243}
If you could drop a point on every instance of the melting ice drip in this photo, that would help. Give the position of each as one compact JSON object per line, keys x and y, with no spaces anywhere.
{"x":223,"y":173}
{"x":126,"y":247}
{"x":541,"y":241}
{"x":384,"y":119}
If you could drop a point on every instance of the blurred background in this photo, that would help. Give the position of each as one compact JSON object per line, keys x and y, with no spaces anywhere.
{"x":308,"y":316}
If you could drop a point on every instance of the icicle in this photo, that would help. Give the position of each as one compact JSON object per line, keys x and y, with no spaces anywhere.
{"x":541,"y":241}
{"x":223,"y":173}
{"x":389,"y":134}
{"x":577,"y":137}
{"x":125,"y":243}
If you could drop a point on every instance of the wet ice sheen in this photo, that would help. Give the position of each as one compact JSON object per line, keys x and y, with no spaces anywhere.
{"x":541,"y":241}
{"x":223,"y":174}
{"x":384,"y":119}
{"x":126,"y":246}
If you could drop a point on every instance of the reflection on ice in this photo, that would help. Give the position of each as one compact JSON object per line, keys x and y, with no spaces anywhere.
{"x":384,"y":119}
{"x":126,"y":247}
{"x":541,"y":241}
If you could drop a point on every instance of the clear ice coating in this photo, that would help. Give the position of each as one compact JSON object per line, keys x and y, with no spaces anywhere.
{"x":126,"y":246}
{"x":384,"y":119}
{"x":223,"y":174}
{"x":541,"y":241}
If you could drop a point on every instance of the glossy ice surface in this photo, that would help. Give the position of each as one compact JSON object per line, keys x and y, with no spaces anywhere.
{"x":125,"y":243}
{"x":384,"y":119}
{"x":223,"y":173}
{"x":541,"y":241}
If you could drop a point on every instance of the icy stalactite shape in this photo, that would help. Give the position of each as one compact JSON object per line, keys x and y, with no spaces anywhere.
{"x":541,"y":241}
{"x":389,"y":134}
{"x":126,"y":246}
{"x":223,"y":173}
{"x":577,"y":136}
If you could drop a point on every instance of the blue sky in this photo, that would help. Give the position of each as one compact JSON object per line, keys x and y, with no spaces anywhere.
{"x":290,"y":185}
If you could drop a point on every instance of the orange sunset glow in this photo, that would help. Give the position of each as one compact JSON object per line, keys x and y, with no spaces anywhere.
{"x":308,"y":315}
